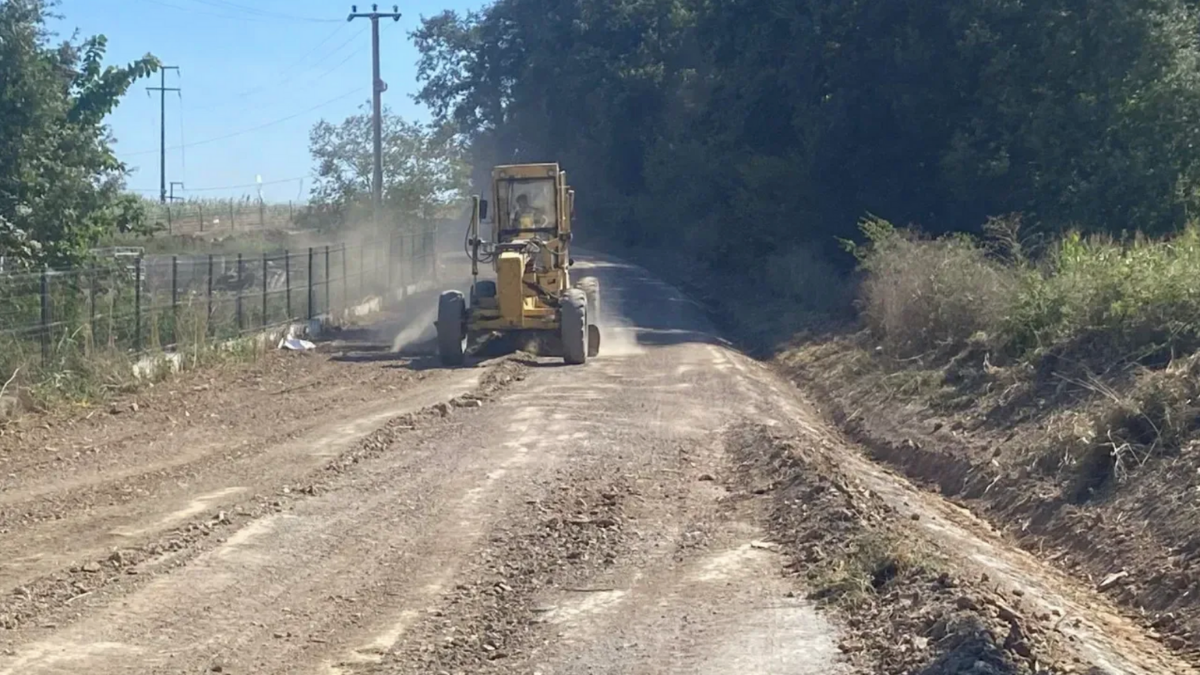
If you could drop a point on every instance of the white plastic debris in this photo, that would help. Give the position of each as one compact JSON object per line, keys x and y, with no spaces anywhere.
{"x":296,"y":344}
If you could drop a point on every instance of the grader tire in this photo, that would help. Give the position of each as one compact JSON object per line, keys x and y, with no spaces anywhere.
{"x":574,"y":327}
{"x":591,"y":287}
{"x":484,"y":289}
{"x":451,"y":334}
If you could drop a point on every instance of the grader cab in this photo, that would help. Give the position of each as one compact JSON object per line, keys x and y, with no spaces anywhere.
{"x":531,"y":300}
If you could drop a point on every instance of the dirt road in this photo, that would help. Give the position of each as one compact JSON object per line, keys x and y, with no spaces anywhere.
{"x":363,"y":512}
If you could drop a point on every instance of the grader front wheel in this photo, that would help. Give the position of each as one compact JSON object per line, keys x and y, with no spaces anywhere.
{"x":591,"y":289}
{"x":451,"y":334}
{"x":574,"y":327}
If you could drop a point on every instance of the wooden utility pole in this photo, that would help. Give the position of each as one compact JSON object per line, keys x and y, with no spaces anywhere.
{"x":162,"y":124}
{"x":378,"y":86}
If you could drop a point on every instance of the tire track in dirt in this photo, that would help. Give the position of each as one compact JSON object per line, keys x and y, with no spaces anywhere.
{"x":592,"y":519}
{"x":47,"y":598}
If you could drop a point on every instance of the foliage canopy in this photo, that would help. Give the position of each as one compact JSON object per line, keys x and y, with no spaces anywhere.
{"x":732,"y":127}
{"x":61,"y":187}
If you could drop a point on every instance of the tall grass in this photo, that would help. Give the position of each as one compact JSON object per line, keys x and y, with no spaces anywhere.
{"x":930,"y":295}
{"x":1096,"y":301}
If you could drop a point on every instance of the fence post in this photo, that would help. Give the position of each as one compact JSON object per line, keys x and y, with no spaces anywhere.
{"x":239,"y":294}
{"x":345,"y":280}
{"x":137,"y":304}
{"x":406,"y":262}
{"x":287,"y":282}
{"x":262,"y":215}
{"x":291,"y":214}
{"x":45,"y":314}
{"x":169,"y":229}
{"x":328,"y":306}
{"x":231,"y":214}
{"x":264,"y":289}
{"x":200,"y":207}
{"x":175,"y":299}
{"x":310,"y":283}
{"x":387,"y":260}
{"x":208,"y":317}
{"x":92,"y":301}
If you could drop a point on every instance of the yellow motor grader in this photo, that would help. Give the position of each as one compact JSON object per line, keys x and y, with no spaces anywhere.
{"x":531,"y":299}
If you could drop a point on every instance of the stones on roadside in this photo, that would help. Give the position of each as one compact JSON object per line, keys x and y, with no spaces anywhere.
{"x":907,"y":608}
{"x":1112,"y":580}
{"x":1176,"y":642}
{"x":467,"y":401}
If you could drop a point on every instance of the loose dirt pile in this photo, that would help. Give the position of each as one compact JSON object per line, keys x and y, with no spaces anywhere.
{"x":906,"y":608}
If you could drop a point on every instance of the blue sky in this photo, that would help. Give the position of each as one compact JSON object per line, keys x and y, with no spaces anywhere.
{"x":247,"y":64}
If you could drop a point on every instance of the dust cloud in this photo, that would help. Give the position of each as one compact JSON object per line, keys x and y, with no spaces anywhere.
{"x":419,"y":335}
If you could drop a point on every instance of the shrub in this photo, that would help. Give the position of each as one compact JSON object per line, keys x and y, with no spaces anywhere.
{"x":1105,"y":301}
{"x":925,"y":295}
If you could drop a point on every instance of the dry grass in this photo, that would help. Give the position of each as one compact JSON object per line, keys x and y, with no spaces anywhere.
{"x":868,"y":566}
{"x":1092,"y":302}
{"x":930,"y":295}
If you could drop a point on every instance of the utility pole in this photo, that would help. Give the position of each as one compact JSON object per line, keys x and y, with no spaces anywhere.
{"x":378,"y":86}
{"x":162,"y":123}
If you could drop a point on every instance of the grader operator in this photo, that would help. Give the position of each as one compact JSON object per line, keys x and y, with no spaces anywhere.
{"x":531,"y":300}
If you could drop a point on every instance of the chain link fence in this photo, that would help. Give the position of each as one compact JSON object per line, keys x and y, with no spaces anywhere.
{"x":130,"y":302}
{"x":225,"y":216}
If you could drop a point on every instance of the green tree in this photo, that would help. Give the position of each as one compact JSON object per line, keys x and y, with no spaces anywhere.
{"x":61,"y":187}
{"x":738,"y":127}
{"x":424,"y":169}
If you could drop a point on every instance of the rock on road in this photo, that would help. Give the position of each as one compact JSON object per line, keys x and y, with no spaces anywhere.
{"x":562,"y":520}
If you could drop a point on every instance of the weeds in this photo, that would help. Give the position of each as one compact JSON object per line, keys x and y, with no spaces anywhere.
{"x":1092,"y":301}
{"x":1115,"y":320}
{"x":869,"y":565}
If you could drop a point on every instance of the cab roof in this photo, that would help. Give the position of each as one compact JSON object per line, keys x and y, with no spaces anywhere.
{"x":543,"y":170}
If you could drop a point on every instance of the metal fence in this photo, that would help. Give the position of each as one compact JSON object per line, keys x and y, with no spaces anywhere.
{"x":132,"y":302}
{"x":234,"y":215}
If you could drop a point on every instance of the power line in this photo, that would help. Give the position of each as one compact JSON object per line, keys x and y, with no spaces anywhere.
{"x":266,"y":13}
{"x":253,"y":129}
{"x":357,"y":52}
{"x":247,"y":185}
{"x":231,"y":187}
{"x":192,"y":10}
{"x":289,"y":77}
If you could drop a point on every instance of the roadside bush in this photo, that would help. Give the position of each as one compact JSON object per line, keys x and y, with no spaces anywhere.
{"x":1102,"y":301}
{"x":1093,"y":302}
{"x":924,"y":295}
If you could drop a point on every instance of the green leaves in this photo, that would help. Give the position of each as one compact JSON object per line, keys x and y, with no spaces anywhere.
{"x":424,"y":168}
{"x":60,"y":185}
{"x":739,"y":124}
